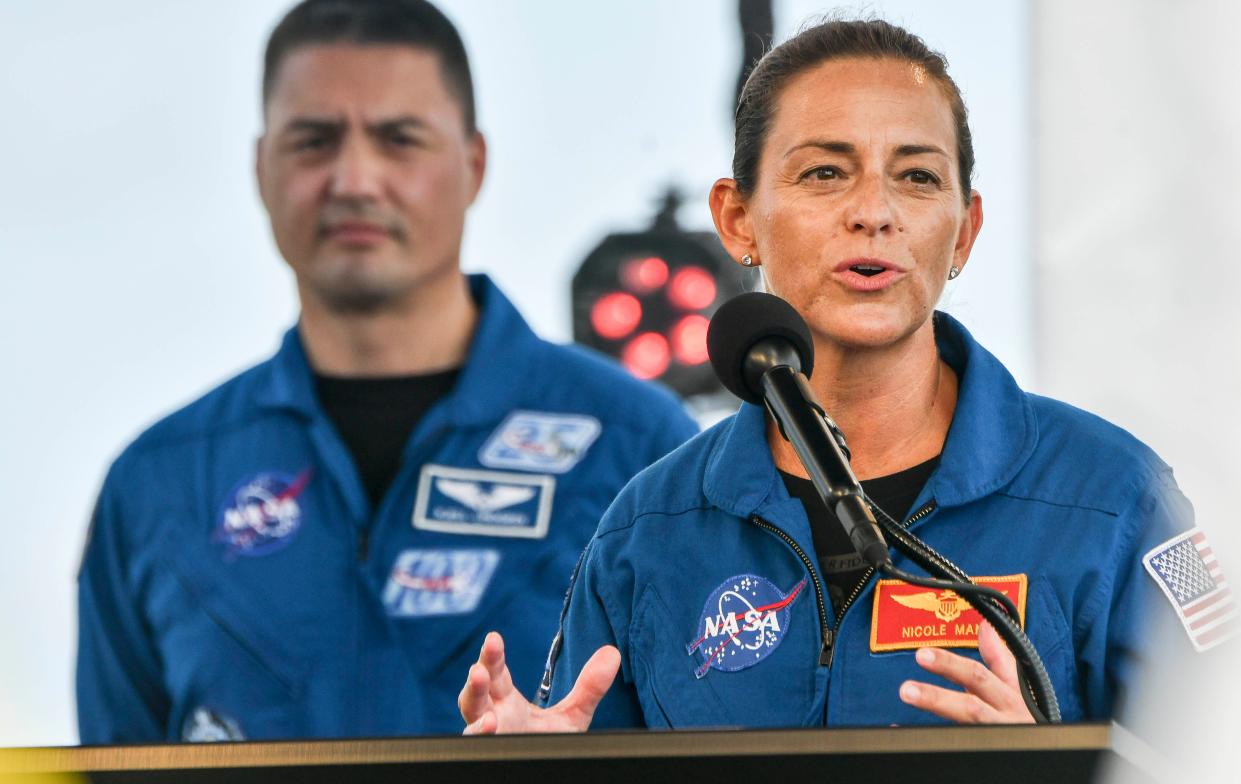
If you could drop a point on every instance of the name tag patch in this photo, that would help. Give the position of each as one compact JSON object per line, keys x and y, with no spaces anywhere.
{"x":743,"y":621}
{"x":483,"y":503}
{"x":536,"y":441}
{"x":908,"y":616}
{"x":438,"y":582}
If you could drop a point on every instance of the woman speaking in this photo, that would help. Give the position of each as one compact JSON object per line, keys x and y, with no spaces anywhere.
{"x":718,"y":583}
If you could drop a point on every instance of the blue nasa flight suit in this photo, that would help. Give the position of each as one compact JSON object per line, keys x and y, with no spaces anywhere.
{"x":1025,"y":485}
{"x":236,"y":582}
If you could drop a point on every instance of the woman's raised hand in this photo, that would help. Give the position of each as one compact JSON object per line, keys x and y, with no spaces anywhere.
{"x":491,"y":704}
{"x":992,"y":694}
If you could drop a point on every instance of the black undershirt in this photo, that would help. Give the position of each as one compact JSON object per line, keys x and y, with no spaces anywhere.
{"x":839,"y":563}
{"x":375,"y":416}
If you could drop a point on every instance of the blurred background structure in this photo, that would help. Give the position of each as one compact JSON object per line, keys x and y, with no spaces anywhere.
{"x":138,"y":269}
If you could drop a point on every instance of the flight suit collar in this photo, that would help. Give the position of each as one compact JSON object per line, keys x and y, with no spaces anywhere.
{"x":993,"y":431}
{"x":992,"y":435}
{"x":501,"y":353}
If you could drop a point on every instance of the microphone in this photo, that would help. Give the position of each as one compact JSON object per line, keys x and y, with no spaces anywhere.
{"x":762,"y":352}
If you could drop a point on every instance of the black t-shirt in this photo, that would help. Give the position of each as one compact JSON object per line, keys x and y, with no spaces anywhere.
{"x":842,"y":568}
{"x":375,"y":417}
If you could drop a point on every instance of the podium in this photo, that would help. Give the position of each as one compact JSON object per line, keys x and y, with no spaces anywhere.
{"x":1064,"y":754}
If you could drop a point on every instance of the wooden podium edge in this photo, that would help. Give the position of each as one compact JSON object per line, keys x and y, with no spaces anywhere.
{"x":595,"y":745}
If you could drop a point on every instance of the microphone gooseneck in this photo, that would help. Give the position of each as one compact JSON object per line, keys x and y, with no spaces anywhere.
{"x":761,"y":350}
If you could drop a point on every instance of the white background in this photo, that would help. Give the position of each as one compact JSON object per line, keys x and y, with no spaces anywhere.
{"x":138,"y":270}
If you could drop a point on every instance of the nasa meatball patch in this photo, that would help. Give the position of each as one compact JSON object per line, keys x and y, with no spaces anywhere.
{"x":742,"y":623}
{"x":261,"y":514}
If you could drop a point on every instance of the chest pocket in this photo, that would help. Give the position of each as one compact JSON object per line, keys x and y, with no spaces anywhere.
{"x":670,"y":695}
{"x":223,"y":652}
{"x":1048,"y":630}
{"x":778,"y":691}
{"x":865,"y":684}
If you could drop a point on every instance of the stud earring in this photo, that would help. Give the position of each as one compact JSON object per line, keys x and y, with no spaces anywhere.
{"x":954,"y":272}
{"x":747,"y":260}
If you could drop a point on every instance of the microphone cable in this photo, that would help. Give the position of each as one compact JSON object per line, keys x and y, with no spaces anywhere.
{"x":998,"y":610}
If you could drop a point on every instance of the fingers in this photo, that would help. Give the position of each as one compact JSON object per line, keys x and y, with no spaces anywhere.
{"x":987,"y":698}
{"x":488,"y":680}
{"x":475,"y":698}
{"x":970,"y":675}
{"x":958,"y":706}
{"x":485,"y":725}
{"x":592,"y":683}
{"x":996,"y":656}
{"x":492,"y":657}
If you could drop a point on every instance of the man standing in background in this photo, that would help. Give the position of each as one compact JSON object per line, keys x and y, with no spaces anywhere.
{"x":317,"y":547}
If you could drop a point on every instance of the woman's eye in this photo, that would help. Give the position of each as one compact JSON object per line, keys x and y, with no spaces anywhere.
{"x":822,"y":174}
{"x":922,"y":177}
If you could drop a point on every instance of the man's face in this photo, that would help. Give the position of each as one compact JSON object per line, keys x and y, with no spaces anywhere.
{"x":366,"y":170}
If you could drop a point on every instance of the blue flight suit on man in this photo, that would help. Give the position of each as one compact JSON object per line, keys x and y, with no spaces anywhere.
{"x":237,"y":583}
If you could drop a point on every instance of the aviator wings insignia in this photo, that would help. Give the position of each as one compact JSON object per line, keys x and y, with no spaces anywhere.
{"x":947,"y":606}
{"x":471,"y":494}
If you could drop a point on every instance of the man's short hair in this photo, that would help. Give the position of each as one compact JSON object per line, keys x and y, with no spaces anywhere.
{"x":414,"y":23}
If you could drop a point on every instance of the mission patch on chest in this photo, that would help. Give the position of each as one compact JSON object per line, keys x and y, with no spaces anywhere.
{"x":539,"y":441}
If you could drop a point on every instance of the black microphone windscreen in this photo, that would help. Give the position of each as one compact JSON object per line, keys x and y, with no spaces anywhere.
{"x":745,"y":320}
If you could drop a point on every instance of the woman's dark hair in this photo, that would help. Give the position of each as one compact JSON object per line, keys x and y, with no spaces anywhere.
{"x":832,"y":40}
{"x":414,"y":23}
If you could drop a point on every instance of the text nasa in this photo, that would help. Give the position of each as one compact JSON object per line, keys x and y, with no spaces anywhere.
{"x":754,"y":620}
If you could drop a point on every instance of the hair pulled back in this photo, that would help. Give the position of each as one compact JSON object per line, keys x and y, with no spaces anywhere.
{"x":832,"y":40}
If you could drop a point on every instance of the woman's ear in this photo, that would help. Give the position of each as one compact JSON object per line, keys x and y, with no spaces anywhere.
{"x":730,"y":211}
{"x":968,"y":231}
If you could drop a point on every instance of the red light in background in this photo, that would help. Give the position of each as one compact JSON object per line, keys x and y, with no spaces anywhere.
{"x":644,"y":275}
{"x":615,"y":315}
{"x":689,"y":340}
{"x":647,"y":355}
{"x":692,"y":288}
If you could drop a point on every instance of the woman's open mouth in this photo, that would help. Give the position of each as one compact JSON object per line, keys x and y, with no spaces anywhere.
{"x":867,"y":274}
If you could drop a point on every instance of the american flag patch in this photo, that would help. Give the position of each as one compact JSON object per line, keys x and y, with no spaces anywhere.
{"x":1186,"y":569}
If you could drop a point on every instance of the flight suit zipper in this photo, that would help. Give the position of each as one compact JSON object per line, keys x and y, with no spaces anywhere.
{"x":825,"y":632}
{"x":861,"y":585}
{"x":828,"y":632}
